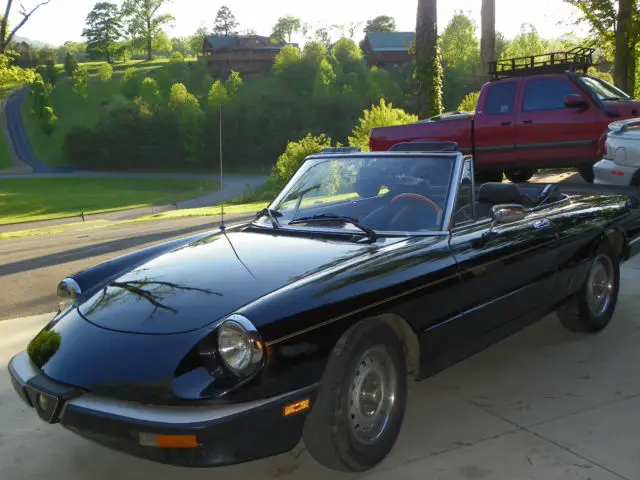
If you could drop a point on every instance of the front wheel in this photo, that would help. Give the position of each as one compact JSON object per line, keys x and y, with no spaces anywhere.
{"x":360,"y":407}
{"x":586,"y":172}
{"x":591,"y":309}
{"x":520,"y":175}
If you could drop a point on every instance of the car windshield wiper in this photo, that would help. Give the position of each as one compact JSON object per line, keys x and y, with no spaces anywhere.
{"x":272,"y":214}
{"x":327,"y":217}
{"x":613,"y":99}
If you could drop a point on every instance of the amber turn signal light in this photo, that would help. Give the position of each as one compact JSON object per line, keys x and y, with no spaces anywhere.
{"x":296,"y":407}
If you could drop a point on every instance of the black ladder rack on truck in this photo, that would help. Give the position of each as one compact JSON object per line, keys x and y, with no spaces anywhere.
{"x":578,"y":58}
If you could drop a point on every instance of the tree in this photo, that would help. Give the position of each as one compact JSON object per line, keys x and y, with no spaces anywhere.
{"x":81,"y":82}
{"x":382,"y":23}
{"x":225,"y":22}
{"x":217,"y":94}
{"x":103,"y":31}
{"x":196,"y":42}
{"x":6,"y":35}
{"x":615,"y":25}
{"x":381,"y":115}
{"x":285,"y":28}
{"x":233,"y":84}
{"x":428,"y":67}
{"x":626,"y":39}
{"x":460,"y":57}
{"x":145,"y":20}
{"x":70,"y":64}
{"x":488,"y":37}
{"x":323,"y":37}
{"x":528,"y":42}
{"x":105,"y":72}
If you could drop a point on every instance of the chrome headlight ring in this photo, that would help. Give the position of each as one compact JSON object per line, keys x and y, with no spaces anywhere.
{"x":239,"y":345}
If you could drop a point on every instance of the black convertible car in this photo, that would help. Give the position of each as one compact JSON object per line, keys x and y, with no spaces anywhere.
{"x":367,"y":270}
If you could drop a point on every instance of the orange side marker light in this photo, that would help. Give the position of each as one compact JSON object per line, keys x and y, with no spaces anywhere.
{"x":296,"y":407}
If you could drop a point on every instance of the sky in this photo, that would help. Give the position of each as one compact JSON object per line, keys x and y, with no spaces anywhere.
{"x":63,"y":20}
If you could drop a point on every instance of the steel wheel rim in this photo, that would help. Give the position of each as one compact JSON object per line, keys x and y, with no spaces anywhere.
{"x":372,"y":395}
{"x":600,"y":285}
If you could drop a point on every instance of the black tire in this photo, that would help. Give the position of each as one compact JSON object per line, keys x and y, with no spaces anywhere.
{"x":520,"y":175}
{"x":488,"y":176}
{"x":329,"y":432}
{"x":577,"y":315}
{"x":587,"y":174}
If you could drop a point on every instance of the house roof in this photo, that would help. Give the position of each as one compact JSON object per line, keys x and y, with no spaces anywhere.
{"x":219,"y":42}
{"x":390,"y":41}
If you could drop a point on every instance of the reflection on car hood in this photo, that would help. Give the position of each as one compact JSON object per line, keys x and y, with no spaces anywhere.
{"x":195,"y":285}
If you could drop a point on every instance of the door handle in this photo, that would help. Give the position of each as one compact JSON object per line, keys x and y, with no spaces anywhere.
{"x":527,"y":121}
{"x":505,"y":124}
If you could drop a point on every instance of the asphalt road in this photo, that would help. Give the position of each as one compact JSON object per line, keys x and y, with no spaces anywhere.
{"x":31,"y":267}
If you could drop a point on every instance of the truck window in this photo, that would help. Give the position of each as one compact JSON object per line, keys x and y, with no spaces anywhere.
{"x":546,"y":94}
{"x":501,"y":98}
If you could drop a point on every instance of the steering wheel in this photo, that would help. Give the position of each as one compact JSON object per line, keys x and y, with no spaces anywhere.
{"x":417,"y":196}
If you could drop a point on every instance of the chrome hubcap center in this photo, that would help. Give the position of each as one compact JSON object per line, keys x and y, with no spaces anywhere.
{"x":372,"y":395}
{"x":600,"y":285}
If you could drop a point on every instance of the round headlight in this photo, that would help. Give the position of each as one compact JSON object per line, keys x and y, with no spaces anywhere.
{"x":239,"y":344}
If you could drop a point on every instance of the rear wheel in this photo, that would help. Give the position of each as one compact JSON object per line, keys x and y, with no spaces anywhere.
{"x":520,"y":175}
{"x":591,"y":309}
{"x":359,"y":410}
{"x":488,"y":176}
{"x":586,"y":172}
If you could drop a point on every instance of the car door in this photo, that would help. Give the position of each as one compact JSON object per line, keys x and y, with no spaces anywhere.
{"x":494,"y":125}
{"x":547,"y":133}
{"x":506,"y":270}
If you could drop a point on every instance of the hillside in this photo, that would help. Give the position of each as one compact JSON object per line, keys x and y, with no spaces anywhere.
{"x":74,"y":111}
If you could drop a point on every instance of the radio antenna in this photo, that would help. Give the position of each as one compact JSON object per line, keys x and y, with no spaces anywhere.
{"x":222,"y":226}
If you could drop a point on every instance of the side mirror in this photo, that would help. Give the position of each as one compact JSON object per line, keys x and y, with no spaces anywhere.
{"x":507,"y":213}
{"x":575,"y":101}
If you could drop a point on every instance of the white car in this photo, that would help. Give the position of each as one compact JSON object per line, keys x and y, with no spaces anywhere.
{"x":621,"y":160}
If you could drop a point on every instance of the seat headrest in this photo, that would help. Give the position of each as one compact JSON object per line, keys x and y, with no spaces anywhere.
{"x":369,"y":182}
{"x":499,"y":193}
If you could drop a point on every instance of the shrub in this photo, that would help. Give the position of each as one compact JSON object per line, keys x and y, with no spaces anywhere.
{"x":382,"y":115}
{"x":52,"y":72}
{"x":49,"y":121}
{"x":233,"y":84}
{"x":217,"y":94}
{"x":150,"y":94}
{"x":176,"y":57}
{"x":70,"y":64}
{"x":469,"y":102}
{"x":296,"y":152}
{"x":105,"y":72}
{"x":81,"y":81}
{"x":131,"y":83}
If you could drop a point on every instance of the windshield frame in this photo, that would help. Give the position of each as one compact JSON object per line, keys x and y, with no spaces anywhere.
{"x":458,"y":163}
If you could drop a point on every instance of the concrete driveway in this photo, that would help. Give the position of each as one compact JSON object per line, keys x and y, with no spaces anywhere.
{"x":545,"y":404}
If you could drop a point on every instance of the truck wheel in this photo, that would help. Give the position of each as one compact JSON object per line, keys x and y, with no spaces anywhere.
{"x":591,"y":309}
{"x":488,"y":176}
{"x":520,"y":175}
{"x":357,"y":416}
{"x":586,"y":172}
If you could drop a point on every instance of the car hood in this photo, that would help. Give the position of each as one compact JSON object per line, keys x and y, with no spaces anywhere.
{"x":201,"y":282}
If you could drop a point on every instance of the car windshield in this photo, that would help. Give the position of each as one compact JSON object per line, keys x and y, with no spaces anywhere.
{"x":360,"y":193}
{"x":603,"y":90}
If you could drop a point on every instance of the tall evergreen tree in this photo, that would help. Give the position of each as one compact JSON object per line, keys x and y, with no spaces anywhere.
{"x":103,"y":31}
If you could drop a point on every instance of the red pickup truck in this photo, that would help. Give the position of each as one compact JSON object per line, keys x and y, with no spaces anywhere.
{"x":526,"y":120}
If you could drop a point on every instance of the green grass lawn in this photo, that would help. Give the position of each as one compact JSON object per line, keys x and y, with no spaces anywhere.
{"x":5,"y":158}
{"x":73,"y":110}
{"x":24,"y":200}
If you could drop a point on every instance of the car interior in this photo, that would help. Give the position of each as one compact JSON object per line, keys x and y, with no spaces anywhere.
{"x":416,"y":201}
